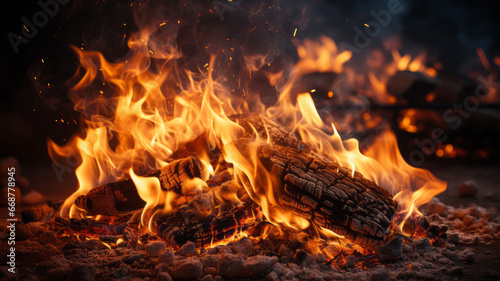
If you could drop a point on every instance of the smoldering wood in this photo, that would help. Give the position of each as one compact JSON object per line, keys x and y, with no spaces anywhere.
{"x":121,"y":197}
{"x":306,"y":183}
{"x":327,"y":194}
{"x":91,"y":227}
{"x":177,"y":229}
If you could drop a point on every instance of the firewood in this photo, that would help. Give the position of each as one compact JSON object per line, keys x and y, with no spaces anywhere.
{"x":313,"y":187}
{"x":177,"y":229}
{"x":327,"y":194}
{"x":121,"y":197}
{"x":35,"y":214}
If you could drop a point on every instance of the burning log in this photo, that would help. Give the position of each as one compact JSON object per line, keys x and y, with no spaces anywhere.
{"x":177,"y":229}
{"x":328,"y":195}
{"x":121,"y":197}
{"x":91,"y":227}
{"x":323,"y":192}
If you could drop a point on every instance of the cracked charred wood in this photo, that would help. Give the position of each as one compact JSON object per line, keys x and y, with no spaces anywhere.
{"x":328,"y":195}
{"x":177,"y":228}
{"x":122,"y":197}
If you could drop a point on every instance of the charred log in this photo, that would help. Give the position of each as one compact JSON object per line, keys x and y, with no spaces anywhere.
{"x":121,"y":197}
{"x":330,"y":196}
{"x":177,"y":228}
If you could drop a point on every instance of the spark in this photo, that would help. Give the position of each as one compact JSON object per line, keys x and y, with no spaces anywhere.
{"x":295,"y":32}
{"x":43,"y":61}
{"x":162,"y":24}
{"x":366,"y":25}
{"x":330,"y":94}
{"x":313,"y":90}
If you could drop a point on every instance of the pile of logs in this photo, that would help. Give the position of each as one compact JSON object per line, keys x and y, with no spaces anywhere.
{"x":304,"y":182}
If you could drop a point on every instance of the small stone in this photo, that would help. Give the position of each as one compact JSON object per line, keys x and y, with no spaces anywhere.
{"x":244,"y":246}
{"x":187,"y":269}
{"x":272,"y":276}
{"x":467,"y":189}
{"x":6,"y":163}
{"x":436,"y":207}
{"x":164,"y":276}
{"x":449,"y":254}
{"x":468,"y":256}
{"x":155,"y":248}
{"x":4,"y":200}
{"x":315,"y":276}
{"x":210,"y":260}
{"x":380,"y":274}
{"x":207,"y":277}
{"x":33,"y":197}
{"x":232,"y":266}
{"x":454,"y":238}
{"x":187,"y":249}
{"x":256,"y":265}
{"x":391,"y":251}
{"x":422,"y":244}
{"x":22,"y":183}
{"x":301,"y":255}
{"x":278,"y":268}
{"x":167,"y":256}
{"x":83,"y":273}
{"x":469,"y":220}
{"x":457,"y":270}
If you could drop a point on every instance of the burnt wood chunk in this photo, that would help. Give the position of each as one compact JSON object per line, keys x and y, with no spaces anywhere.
{"x":122,"y":197}
{"x":329,"y":195}
{"x":177,"y":228}
{"x":304,"y":181}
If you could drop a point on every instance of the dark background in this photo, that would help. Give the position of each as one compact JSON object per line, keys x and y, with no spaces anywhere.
{"x":450,"y":31}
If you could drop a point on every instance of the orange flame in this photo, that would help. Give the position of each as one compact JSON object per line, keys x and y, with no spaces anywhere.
{"x":143,"y":116}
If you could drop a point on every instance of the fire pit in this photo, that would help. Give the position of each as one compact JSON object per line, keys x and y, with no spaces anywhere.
{"x":227,"y":140}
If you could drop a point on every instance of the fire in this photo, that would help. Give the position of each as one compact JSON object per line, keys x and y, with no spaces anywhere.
{"x":138,"y":111}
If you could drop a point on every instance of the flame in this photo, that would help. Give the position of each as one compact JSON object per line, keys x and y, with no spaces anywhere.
{"x":138,"y":111}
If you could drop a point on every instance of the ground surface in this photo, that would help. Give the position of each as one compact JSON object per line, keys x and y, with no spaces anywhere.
{"x":486,"y":175}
